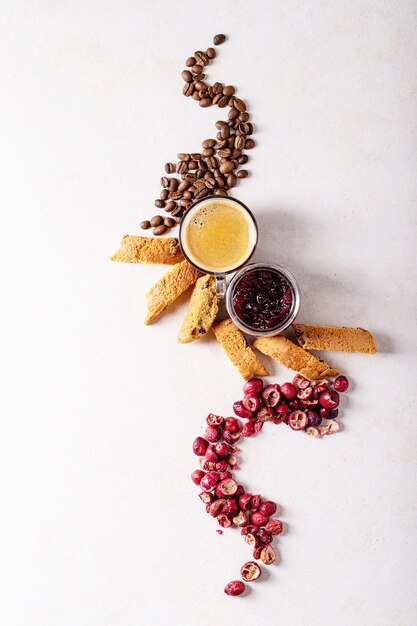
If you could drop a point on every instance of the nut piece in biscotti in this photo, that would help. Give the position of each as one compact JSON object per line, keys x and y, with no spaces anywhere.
{"x":336,"y":339}
{"x":234,"y":344}
{"x":135,"y":249}
{"x":202,"y":310}
{"x":169,"y":288}
{"x":295,"y":358}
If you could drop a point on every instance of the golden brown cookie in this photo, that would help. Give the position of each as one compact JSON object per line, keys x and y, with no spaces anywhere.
{"x":295,"y":358}
{"x":135,"y":249}
{"x":337,"y":339}
{"x":234,"y":344}
{"x":202,"y":310}
{"x":169,"y":288}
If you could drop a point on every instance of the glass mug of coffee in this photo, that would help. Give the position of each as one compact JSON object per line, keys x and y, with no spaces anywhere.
{"x":218,"y":235}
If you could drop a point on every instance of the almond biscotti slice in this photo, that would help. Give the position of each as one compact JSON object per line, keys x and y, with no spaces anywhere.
{"x":337,"y":339}
{"x":135,"y":249}
{"x":202,"y":310}
{"x":295,"y":358}
{"x":169,"y":288}
{"x":234,"y":344}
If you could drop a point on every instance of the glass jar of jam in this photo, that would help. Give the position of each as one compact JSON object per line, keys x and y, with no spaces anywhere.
{"x":263,"y":299}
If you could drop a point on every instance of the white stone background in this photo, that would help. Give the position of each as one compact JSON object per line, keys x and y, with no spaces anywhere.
{"x":100,"y":524}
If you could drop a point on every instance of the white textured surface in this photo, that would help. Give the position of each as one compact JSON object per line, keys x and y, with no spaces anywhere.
{"x":100,"y":524}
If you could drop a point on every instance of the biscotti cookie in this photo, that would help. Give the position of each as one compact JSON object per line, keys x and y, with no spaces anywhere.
{"x":135,"y":249}
{"x":169,"y":288}
{"x":234,"y":344}
{"x":295,"y":358}
{"x":202,"y":310}
{"x":337,"y":339}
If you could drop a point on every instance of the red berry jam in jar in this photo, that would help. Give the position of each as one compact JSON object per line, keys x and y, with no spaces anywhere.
{"x":263,"y":299}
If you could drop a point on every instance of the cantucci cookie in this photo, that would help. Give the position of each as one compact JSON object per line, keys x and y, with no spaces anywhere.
{"x":135,"y":249}
{"x":202,"y":310}
{"x":295,"y":358}
{"x":169,"y":288}
{"x":337,"y":339}
{"x":234,"y":344}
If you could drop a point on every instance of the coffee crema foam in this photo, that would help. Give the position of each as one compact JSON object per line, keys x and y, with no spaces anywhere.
{"x":218,"y":235}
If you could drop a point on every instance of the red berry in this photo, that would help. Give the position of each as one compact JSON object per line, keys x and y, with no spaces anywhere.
{"x":234,"y":588}
{"x":258,"y":519}
{"x":251,"y":402}
{"x":214,"y":420}
{"x":254,"y":385}
{"x":240,"y":410}
{"x":329,"y":414}
{"x":209,"y":481}
{"x":274,"y":527}
{"x":196,"y":476}
{"x":341,"y":384}
{"x":200,"y":446}
{"x":212,"y":433}
{"x":250,"y":571}
{"x":267,"y":508}
{"x":298,"y":420}
{"x":329,"y":399}
{"x":271,"y":395}
{"x":244,"y":501}
{"x":288,"y":391}
{"x":211,"y":454}
{"x":227,"y":487}
{"x":232,"y":425}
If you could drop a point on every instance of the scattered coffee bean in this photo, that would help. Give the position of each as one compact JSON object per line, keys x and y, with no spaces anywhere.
{"x":173,"y":184}
{"x":187,"y":76}
{"x":208,"y":143}
{"x":164,"y":194}
{"x":157,"y":220}
{"x":170,"y":206}
{"x":159,"y":203}
{"x":231,"y":180}
{"x":228,"y":90}
{"x":219,"y":39}
{"x":190,"y":62}
{"x":211,"y":53}
{"x":145,"y":225}
{"x":164,"y":181}
{"x":188,"y":89}
{"x":169,"y":168}
{"x":169,"y":222}
{"x":226,"y":167}
{"x":176,"y":211}
{"x":242,"y":174}
{"x":205,"y":102}
{"x":243,"y":159}
{"x":159,"y":230}
{"x":249,"y":144}
{"x":197,"y":69}
{"x":182,"y":167}
{"x":184,"y":156}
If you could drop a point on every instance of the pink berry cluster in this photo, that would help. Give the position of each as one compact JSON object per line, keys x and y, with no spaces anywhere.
{"x":228,"y":501}
{"x":306,"y":405}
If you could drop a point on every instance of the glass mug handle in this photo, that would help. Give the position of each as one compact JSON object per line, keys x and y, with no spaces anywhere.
{"x":220,"y":286}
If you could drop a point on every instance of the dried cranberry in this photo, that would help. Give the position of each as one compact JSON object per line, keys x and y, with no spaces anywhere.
{"x":265,"y":414}
{"x":234,"y":588}
{"x":267,"y":508}
{"x":252,"y":539}
{"x":341,"y":384}
{"x":255,"y":502}
{"x":264,"y":536}
{"x":214,"y":420}
{"x":222,"y":450}
{"x":224,"y":475}
{"x":232,"y":507}
{"x":230,"y":437}
{"x":295,"y":404}
{"x":314,"y":419}
{"x":209,"y":481}
{"x":329,"y":399}
{"x":224,"y":521}
{"x":305,"y":394}
{"x":241,"y":520}
{"x":323,"y":386}
{"x":232,"y":425}
{"x":217,"y":507}
{"x":250,"y":571}
{"x":329,"y":414}
{"x":268,"y":555}
{"x":212,"y":433}
{"x":283,"y":412}
{"x":300,"y":382}
{"x":257,"y":551}
{"x":211,"y":454}
{"x":298,"y":420}
{"x":254,"y":385}
{"x":227,"y":487}
{"x":259,"y":519}
{"x":274,"y":527}
{"x":251,"y":403}
{"x":200,"y":446}
{"x":239,"y":491}
{"x":196,"y":476}
{"x":222,"y":466}
{"x":240,"y":410}
{"x":257,"y":426}
{"x":245,"y":501}
{"x":288,"y":391}
{"x":207,"y":466}
{"x":248,"y":430}
{"x":206,"y":497}
{"x":309,"y":404}
{"x":271,"y":395}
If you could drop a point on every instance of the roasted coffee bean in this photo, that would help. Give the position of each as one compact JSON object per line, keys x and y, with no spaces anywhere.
{"x":226,"y":167}
{"x":197,"y":69}
{"x":240,"y":105}
{"x":170,"y":206}
{"x":190,"y":61}
{"x":212,"y":162}
{"x":184,"y":184}
{"x":145,"y":225}
{"x":187,"y":195}
{"x":164,"y":181}
{"x":201,"y":57}
{"x":216,"y":98}
{"x":176,"y":211}
{"x":188,"y":89}
{"x":200,"y":85}
{"x":187,"y":76}
{"x":223,"y":143}
{"x":239,"y":142}
{"x":219,"y":39}
{"x":159,"y":204}
{"x":169,"y":168}
{"x":175,"y":195}
{"x":217,"y":87}
{"x":195,"y":156}
{"x":202,"y":192}
{"x":246,"y":128}
{"x":202,"y":165}
{"x":184,"y":156}
{"x":233,"y":113}
{"x":211,"y":53}
{"x":210,"y":183}
{"x":208,"y":143}
{"x":243,"y":159}
{"x":157,"y":220}
{"x":192,"y":165}
{"x":231,"y":180}
{"x":249,"y":144}
{"x":196,"y":95}
{"x":190,"y":176}
{"x":182,"y":167}
{"x":220,"y":124}
{"x":220,"y":182}
{"x":191,"y":189}
{"x":199,"y":183}
{"x":201,"y":76}
{"x":244,"y":116}
{"x":220,"y":192}
{"x":224,"y":153}
{"x":169,"y":222}
{"x":173,"y":184}
{"x":228,"y":90}
{"x":236,"y":154}
{"x":177,"y":220}
{"x":164,"y":194}
{"x":159,"y":230}
{"x":208,"y":152}
{"x":223,"y":102}
{"x":200,"y":172}
{"x":225,"y":132}
{"x":242,"y":174}
{"x":205,"y":102}
{"x":183,"y":202}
